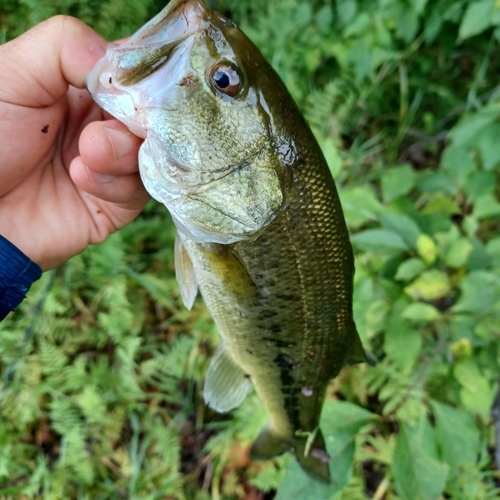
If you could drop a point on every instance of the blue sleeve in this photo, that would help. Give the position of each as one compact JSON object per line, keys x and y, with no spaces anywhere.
{"x":17,"y":274}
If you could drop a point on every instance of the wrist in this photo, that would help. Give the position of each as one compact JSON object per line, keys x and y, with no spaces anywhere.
{"x":17,"y":273}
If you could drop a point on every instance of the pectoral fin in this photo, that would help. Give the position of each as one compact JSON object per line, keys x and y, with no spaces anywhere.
{"x":231,"y":275}
{"x":225,"y":384}
{"x":184,"y":272}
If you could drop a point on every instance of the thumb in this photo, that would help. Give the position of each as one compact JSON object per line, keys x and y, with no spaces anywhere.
{"x":38,"y":66}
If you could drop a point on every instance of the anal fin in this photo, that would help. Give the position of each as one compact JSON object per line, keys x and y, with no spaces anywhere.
{"x":226,"y":385}
{"x":184,"y":272}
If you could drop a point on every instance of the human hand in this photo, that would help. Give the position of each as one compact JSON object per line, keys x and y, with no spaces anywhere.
{"x":69,"y":174}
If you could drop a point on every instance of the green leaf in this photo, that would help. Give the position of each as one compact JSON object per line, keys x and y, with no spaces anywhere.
{"x":419,"y":312}
{"x":476,"y":394}
{"x":403,"y":346}
{"x":462,"y":326}
{"x":489,"y":146}
{"x":379,"y":239}
{"x":407,"y":24}
{"x":493,"y":249}
{"x":360,"y":205}
{"x":470,"y":226}
{"x":324,"y":18}
{"x":458,"y":253}
{"x":375,"y":316}
{"x":299,"y":486}
{"x":480,"y":292}
{"x":346,"y":10}
{"x":430,"y":285}
{"x":418,"y":6}
{"x":458,"y":162}
{"x":486,"y":206}
{"x":441,"y":204}
{"x":480,"y":183}
{"x":410,"y":268}
{"x":436,"y":182}
{"x":402,"y":343}
{"x":358,"y":26}
{"x":477,"y":18}
{"x":92,"y":404}
{"x":433,"y":25}
{"x":471,"y":126}
{"x":397,"y":182}
{"x":343,"y":417}
{"x":332,"y":156}
{"x":487,"y":329}
{"x":340,"y":422}
{"x":426,"y":248}
{"x":457,"y":435}
{"x":403,"y":225}
{"x":417,"y":475}
{"x":479,"y":258}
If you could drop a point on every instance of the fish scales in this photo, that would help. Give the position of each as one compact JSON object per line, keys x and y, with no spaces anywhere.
{"x":261,"y":232}
{"x":311,"y":307}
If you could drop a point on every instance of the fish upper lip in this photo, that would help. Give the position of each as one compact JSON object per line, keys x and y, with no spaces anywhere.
{"x":152,"y":45}
{"x":166,"y":20}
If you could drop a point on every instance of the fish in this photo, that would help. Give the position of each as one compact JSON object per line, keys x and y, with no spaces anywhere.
{"x":260,"y":228}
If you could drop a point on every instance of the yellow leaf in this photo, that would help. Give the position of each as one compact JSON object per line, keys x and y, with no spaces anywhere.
{"x":426,"y":248}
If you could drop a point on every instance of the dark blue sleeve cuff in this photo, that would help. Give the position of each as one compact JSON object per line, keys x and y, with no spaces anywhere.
{"x":17,"y":274}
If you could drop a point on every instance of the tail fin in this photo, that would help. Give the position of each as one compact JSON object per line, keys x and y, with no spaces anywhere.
{"x":310,"y":451}
{"x":312,"y":456}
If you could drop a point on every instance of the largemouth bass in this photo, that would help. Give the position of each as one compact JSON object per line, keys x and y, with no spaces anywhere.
{"x":260,"y":227}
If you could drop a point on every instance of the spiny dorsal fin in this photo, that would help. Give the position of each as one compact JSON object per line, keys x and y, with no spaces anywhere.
{"x":225,"y":384}
{"x":184,"y":272}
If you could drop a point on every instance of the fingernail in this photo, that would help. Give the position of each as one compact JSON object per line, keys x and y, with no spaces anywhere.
{"x":121,"y":142}
{"x":98,"y":178}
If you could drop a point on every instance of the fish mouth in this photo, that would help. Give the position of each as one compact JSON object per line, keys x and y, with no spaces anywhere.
{"x":152,"y":45}
{"x":166,"y":40}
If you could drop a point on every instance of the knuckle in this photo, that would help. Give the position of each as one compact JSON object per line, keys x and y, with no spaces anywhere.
{"x":63,"y":24}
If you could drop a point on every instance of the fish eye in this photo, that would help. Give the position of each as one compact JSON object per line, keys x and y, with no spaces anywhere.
{"x":226,"y":79}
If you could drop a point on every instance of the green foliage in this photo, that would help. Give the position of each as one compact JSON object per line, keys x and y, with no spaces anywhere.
{"x":340,"y":422}
{"x":102,"y":366}
{"x":417,"y":473}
